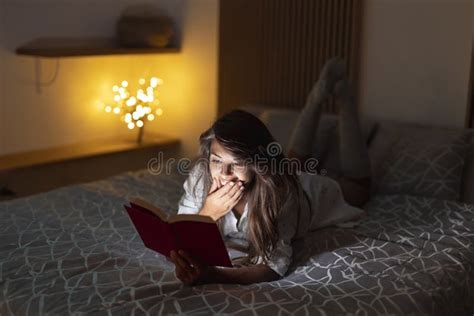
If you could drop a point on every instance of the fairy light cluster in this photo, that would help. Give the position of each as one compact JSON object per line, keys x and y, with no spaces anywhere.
{"x":136,"y":109}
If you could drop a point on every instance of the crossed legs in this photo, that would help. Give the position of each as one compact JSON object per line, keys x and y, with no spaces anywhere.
{"x":354,"y":175}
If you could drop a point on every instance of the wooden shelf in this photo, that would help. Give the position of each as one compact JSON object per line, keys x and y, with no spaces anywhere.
{"x":39,"y":171}
{"x":79,"y":151}
{"x":70,"y":47}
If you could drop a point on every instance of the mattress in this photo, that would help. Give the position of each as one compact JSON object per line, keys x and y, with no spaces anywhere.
{"x":74,"y":251}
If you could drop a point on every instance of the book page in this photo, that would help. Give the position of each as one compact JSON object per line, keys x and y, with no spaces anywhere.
{"x":190,"y":217}
{"x":171,"y":218}
{"x":155,"y":210}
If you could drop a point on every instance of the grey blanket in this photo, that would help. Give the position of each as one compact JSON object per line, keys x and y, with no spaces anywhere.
{"x":74,"y":250}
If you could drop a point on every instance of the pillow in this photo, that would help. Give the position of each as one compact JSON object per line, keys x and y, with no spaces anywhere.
{"x":425,"y":162}
{"x":280,"y":122}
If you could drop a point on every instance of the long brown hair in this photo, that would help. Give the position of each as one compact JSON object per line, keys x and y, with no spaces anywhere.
{"x":248,"y":139}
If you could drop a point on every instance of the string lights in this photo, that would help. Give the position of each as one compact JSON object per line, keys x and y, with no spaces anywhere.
{"x":135,"y":110}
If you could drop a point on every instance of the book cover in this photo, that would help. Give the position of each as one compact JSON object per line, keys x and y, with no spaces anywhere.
{"x":197,"y":235}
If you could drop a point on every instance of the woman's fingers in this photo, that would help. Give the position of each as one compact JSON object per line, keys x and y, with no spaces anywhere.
{"x":188,"y":269}
{"x":181,"y":265}
{"x":226,"y":188}
{"x":197,"y":269}
{"x":175,"y":258}
{"x":233,"y":193}
{"x":235,"y":199}
{"x":181,"y":276}
{"x":238,"y":189}
{"x":214,"y":186}
{"x":178,"y":262}
{"x":235,"y":188}
{"x":189,"y":260}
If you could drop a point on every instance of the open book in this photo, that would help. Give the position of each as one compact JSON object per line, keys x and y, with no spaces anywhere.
{"x":197,"y":235}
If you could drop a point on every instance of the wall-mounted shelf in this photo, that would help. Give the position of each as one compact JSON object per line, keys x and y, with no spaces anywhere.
{"x":32,"y":172}
{"x":70,"y":47}
{"x":89,"y":149}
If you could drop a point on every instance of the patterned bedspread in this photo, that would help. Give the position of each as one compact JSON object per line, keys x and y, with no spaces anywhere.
{"x":74,"y":250}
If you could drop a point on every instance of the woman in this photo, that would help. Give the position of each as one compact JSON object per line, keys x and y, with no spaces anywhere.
{"x":235,"y":182}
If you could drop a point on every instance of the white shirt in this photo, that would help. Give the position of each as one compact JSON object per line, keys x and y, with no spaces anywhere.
{"x":318,"y":203}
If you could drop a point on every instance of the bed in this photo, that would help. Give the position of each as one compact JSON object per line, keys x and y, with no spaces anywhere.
{"x":74,"y":250}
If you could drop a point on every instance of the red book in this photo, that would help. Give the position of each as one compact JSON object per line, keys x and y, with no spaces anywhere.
{"x":197,"y":235}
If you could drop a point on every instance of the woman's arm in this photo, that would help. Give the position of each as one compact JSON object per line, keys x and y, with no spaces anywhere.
{"x":243,"y":275}
{"x":192,"y":272}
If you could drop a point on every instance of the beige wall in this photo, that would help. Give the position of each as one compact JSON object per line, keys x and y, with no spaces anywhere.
{"x":68,"y":110}
{"x":415,"y":64}
{"x":416,"y":60}
{"x":2,"y":75}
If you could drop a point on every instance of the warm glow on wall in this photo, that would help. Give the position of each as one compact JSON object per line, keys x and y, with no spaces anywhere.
{"x":138,"y":108}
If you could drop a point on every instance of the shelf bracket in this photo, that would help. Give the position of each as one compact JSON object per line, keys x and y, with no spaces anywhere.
{"x":39,"y":73}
